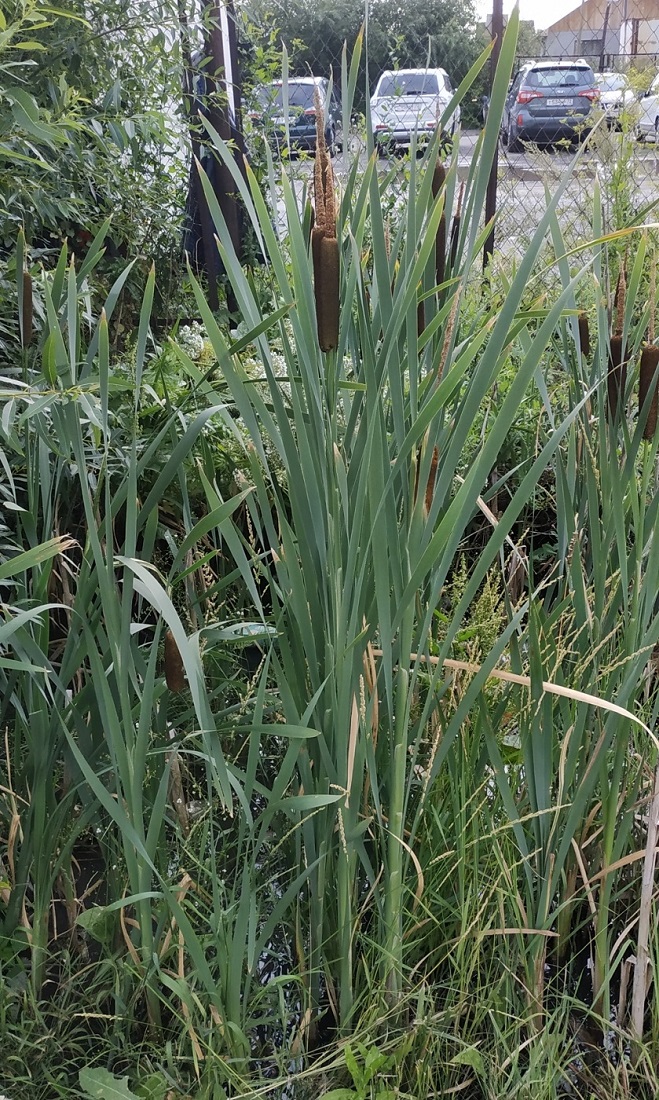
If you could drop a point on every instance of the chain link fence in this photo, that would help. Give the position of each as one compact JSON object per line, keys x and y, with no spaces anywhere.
{"x":617,"y":141}
{"x":619,"y":153}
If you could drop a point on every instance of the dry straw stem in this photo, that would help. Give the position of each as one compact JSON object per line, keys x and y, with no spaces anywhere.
{"x":525,"y":681}
{"x":640,"y":987}
{"x":324,"y":243}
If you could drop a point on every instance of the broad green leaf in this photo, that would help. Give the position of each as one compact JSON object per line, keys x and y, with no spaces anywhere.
{"x":100,"y":1084}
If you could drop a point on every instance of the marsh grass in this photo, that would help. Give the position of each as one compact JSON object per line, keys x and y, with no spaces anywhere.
{"x":397,"y":807}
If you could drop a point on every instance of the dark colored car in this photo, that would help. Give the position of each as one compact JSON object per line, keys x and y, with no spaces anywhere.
{"x":548,"y":102}
{"x":270,"y":113}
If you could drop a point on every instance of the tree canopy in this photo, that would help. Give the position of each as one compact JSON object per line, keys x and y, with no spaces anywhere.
{"x":418,"y":33}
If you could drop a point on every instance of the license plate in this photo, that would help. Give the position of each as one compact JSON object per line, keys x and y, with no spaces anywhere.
{"x":559,"y":102}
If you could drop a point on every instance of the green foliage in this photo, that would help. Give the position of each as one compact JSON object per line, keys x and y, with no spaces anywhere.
{"x":90,"y":131}
{"x":240,"y":580}
{"x":440,"y":33}
{"x":101,"y":1085}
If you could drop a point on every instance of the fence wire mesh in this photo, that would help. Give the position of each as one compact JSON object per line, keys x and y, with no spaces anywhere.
{"x":615,"y":136}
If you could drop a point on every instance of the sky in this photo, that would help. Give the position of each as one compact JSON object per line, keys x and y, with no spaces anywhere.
{"x":542,"y":12}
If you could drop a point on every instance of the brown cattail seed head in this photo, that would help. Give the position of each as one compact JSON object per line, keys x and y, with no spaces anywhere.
{"x":26,"y":319}
{"x":174,"y":671}
{"x":619,"y":300}
{"x":438,"y":178}
{"x":649,"y":384}
{"x":455,"y":226}
{"x":616,"y":379}
{"x":324,"y":243}
{"x":438,"y":181}
{"x":584,"y":334}
{"x":327,"y":293}
{"x":420,"y":317}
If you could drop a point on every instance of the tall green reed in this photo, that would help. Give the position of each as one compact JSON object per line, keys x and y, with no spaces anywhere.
{"x":92,"y":730}
{"x":357,"y":547}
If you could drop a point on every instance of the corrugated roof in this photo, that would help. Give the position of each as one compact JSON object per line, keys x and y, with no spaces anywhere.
{"x":591,"y":14}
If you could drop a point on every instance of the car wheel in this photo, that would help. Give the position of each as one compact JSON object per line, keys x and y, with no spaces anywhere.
{"x":513,"y":143}
{"x":656,"y":130}
{"x":330,"y":139}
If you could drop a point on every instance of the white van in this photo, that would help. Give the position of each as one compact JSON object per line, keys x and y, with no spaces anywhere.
{"x":411,"y":101}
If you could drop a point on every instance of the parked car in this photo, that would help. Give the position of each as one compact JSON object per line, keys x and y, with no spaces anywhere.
{"x":616,"y":97}
{"x":648,"y":119}
{"x":549,"y":101}
{"x":269,"y":113}
{"x":411,"y":101}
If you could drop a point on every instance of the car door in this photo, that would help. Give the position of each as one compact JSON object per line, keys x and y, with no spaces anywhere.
{"x":647,"y":123}
{"x":336,"y":114}
{"x":510,"y":99}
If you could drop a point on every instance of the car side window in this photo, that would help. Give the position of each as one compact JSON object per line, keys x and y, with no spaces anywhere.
{"x":514,"y":87}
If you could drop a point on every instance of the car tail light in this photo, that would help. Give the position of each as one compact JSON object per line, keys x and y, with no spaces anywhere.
{"x":590,"y":93}
{"x":311,"y":111}
{"x":526,"y":96}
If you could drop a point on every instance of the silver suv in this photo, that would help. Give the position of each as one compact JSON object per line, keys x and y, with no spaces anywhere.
{"x":411,"y":101}
{"x":549,"y":101}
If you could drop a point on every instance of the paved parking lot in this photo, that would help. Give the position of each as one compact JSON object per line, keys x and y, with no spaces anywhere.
{"x":525,"y":178}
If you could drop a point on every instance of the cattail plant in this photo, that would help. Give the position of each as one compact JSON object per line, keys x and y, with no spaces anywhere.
{"x":174,"y":670}
{"x":616,"y":378}
{"x":324,"y":243}
{"x":438,"y":181}
{"x":455,"y":225}
{"x":649,"y":381}
{"x":584,"y":334}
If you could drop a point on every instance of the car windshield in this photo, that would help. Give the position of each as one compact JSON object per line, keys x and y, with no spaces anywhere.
{"x":612,"y":82}
{"x":559,"y":78}
{"x":299,"y":95}
{"x":408,"y":84}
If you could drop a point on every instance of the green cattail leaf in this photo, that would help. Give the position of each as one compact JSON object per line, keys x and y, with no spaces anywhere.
{"x":26,"y":310}
{"x":616,"y":378}
{"x":48,"y":364}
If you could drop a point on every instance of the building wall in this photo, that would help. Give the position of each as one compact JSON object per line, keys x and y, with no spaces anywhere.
{"x":591,"y":13}
{"x":570,"y":43}
{"x":644,"y":36}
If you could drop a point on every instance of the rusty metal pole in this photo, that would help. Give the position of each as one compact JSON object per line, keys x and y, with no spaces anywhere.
{"x":205,"y":220}
{"x":223,"y":113}
{"x":491,"y":194}
{"x":605,"y":31}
